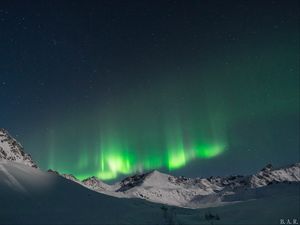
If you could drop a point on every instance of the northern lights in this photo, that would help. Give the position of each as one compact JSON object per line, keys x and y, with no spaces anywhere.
{"x":112,"y":161}
{"x":113,"y":153}
{"x":108,"y":89}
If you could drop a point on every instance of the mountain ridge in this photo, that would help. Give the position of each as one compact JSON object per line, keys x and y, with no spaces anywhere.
{"x":181,"y":191}
{"x":32,"y":196}
{"x":158,"y":187}
{"x":12,"y":150}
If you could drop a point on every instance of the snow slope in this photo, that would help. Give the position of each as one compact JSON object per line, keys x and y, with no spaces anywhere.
{"x":193,"y":193}
{"x":268,"y":175}
{"x":12,"y":150}
{"x":30,"y":196}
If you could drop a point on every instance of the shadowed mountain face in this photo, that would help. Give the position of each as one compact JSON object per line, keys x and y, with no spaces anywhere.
{"x":12,"y":150}
{"x":29,"y":196}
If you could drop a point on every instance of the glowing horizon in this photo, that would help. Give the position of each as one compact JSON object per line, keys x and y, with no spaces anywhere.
{"x":112,"y":160}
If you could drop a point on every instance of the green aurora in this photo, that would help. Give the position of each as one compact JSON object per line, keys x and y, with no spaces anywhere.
{"x":185,"y":118}
{"x":111,"y":90}
{"x":140,"y":133}
{"x":115,"y":158}
{"x":117,"y":153}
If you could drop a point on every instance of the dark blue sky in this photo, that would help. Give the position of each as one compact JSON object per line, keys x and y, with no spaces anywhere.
{"x":134,"y":71}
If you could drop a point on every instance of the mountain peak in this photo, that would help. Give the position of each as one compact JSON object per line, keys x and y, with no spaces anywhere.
{"x":92,"y":178}
{"x":132,"y":181}
{"x":156,"y":173}
{"x":96,"y":184}
{"x":268,"y":175}
{"x":151,"y":178}
{"x":12,"y":150}
{"x":163,"y":188}
{"x":268,"y":167}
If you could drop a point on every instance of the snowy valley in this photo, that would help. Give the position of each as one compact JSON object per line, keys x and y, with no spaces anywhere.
{"x":29,"y":195}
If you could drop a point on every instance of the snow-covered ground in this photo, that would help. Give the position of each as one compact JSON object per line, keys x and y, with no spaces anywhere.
{"x":193,"y":193}
{"x":31,"y":196}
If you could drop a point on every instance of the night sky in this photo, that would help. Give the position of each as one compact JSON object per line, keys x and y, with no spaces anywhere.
{"x":110,"y":88}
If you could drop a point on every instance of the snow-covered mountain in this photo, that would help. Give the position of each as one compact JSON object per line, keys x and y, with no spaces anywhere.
{"x":192,"y":193}
{"x":163,"y":188}
{"x":167,"y":189}
{"x":12,"y":150}
{"x":268,"y":175}
{"x":96,"y":184}
{"x":31,"y":196}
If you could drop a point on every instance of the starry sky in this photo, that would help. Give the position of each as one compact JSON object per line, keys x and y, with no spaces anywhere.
{"x":110,"y":88}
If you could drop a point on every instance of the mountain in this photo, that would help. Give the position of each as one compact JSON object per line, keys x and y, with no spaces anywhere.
{"x":166,"y":189}
{"x":12,"y":150}
{"x":31,"y":196}
{"x":163,"y":188}
{"x":194,"y":193}
{"x":268,"y":175}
